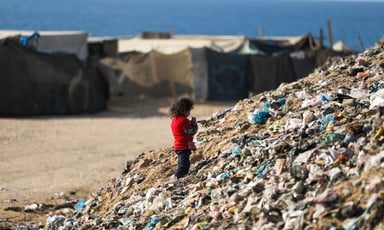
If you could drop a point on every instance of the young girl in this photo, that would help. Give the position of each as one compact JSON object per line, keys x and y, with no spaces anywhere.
{"x":183,"y":131}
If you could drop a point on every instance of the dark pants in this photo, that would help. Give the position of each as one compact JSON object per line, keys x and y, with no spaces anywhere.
{"x":183,"y":162}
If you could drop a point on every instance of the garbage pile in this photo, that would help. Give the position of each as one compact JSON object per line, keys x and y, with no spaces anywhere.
{"x":308,"y":155}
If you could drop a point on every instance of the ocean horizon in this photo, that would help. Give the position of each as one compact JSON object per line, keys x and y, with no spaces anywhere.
{"x":115,"y":18}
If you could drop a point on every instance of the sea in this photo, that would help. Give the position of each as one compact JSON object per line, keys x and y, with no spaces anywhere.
{"x":360,"y":24}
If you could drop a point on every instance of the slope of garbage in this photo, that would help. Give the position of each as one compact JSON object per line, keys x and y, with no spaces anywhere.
{"x":308,"y":155}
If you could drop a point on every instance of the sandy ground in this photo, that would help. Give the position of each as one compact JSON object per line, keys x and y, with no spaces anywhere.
{"x":42,"y":158}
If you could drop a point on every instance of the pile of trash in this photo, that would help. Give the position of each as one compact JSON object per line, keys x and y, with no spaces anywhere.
{"x":308,"y":155}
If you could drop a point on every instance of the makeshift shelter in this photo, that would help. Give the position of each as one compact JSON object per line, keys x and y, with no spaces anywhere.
{"x":152,"y":74}
{"x":227,"y":76}
{"x":35,"y":83}
{"x":268,"y":72}
{"x":282,"y":45}
{"x":210,"y":67}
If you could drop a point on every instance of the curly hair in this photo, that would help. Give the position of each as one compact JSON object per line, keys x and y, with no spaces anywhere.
{"x":180,"y":106}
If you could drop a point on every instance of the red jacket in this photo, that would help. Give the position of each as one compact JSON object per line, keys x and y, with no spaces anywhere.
{"x":182,"y":131}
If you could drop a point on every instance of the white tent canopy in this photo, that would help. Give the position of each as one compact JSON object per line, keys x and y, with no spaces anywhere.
{"x":341,"y":46}
{"x":73,"y":42}
{"x":179,"y":43}
{"x":219,"y":43}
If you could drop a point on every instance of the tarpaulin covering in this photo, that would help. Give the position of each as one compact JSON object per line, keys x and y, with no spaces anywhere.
{"x":268,"y":72}
{"x":71,"y":42}
{"x":210,"y":67}
{"x":101,"y":48}
{"x":178,"y":43}
{"x":283,"y":44}
{"x":34,"y":83}
{"x":304,"y":62}
{"x":152,"y":74}
{"x":228,"y":74}
{"x":200,"y":72}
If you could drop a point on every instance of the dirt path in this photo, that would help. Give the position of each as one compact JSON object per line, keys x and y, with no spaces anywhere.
{"x":43,"y":157}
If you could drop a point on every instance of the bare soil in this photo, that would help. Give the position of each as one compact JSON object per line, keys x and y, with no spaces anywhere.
{"x":51,"y":160}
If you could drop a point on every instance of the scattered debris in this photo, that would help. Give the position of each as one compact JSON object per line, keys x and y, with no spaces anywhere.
{"x":308,"y":155}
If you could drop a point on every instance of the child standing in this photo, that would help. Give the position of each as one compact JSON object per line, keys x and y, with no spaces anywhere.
{"x":183,"y":131}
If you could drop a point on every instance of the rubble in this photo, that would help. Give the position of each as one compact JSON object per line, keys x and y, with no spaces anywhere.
{"x":308,"y":155}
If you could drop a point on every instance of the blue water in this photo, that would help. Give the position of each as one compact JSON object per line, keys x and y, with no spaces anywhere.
{"x":349,"y":19}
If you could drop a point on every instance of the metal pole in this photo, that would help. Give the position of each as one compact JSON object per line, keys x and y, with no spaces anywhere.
{"x":330,"y":34}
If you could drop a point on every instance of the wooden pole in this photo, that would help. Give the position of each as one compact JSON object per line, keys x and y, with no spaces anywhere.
{"x":330,"y":34}
{"x":321,"y":38}
{"x":361,"y":42}
{"x":311,"y":45}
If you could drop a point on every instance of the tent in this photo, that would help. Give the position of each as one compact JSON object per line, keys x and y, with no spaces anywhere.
{"x":71,"y":42}
{"x":36,"y":83}
{"x":341,"y":47}
{"x":220,"y":68}
{"x":152,"y":74}
{"x":102,"y":47}
{"x":179,"y":43}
